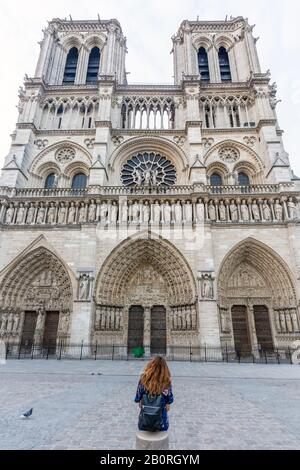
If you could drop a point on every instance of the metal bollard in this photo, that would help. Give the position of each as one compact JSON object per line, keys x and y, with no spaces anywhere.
{"x":152,"y":440}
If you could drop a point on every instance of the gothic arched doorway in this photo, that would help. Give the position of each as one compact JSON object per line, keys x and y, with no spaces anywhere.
{"x":256,"y":291}
{"x":152,"y":274}
{"x":36,"y":301}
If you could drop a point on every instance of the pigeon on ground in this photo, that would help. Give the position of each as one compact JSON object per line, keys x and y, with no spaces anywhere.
{"x":27,"y":413}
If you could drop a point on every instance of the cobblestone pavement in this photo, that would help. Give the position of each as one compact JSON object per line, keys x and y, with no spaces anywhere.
{"x":217,"y":406}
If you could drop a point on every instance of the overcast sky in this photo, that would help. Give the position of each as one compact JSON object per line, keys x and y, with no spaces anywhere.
{"x":148,"y":26}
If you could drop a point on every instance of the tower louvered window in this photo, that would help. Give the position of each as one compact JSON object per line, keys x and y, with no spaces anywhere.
{"x":203,"y":65}
{"x":71,"y":66}
{"x":93,"y":66}
{"x":224,"y":65}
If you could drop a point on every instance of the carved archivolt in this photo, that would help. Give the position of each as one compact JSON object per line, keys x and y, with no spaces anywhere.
{"x":37,"y":280}
{"x":252,"y":269}
{"x":130,"y":256}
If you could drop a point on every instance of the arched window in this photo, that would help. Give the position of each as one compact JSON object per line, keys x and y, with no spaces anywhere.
{"x":79,"y":181}
{"x":49,"y":182}
{"x":71,"y":66}
{"x":215,"y":179}
{"x":203,"y":65}
{"x":93,"y":66}
{"x":243,"y":179}
{"x":224,"y":65}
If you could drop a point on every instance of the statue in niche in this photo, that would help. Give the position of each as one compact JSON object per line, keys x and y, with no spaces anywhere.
{"x":84,"y":287}
{"x":124,"y":212}
{"x":295,"y":322}
{"x":292,"y":210}
{"x":114,"y":212}
{"x":30,"y":214}
{"x":16,"y":322}
{"x":244,"y":211}
{"x":289,"y":323}
{"x":62,"y":214}
{"x":138,"y":176}
{"x":222,"y":211}
{"x":212,"y":212}
{"x":55,"y":181}
{"x":64,"y":322}
{"x":146,"y":212}
{"x":4,"y":320}
{"x":154,"y":177}
{"x":147,"y":177}
{"x":71,"y":213}
{"x":10,"y":323}
{"x":167,"y":212}
{"x":135,"y":211}
{"x":178,"y":212}
{"x":207,"y":287}
{"x":103,"y":212}
{"x":200,"y":211}
{"x":92,"y":211}
{"x":266,"y":211}
{"x":156,"y":212}
{"x":278,"y":210}
{"x":282,"y":322}
{"x":188,"y":210}
{"x":233,"y":211}
{"x":41,"y":215}
{"x":255,"y":211}
{"x":20,"y":214}
{"x":51,"y":214}
{"x":82,"y":211}
{"x":9,"y":214}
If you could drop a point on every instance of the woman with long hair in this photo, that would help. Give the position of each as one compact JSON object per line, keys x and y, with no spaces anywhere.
{"x":154,"y":395}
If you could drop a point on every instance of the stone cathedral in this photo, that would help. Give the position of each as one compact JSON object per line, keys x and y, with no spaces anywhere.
{"x":149,"y":215}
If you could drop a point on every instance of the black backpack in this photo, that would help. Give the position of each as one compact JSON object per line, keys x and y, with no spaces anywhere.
{"x":150,"y":418}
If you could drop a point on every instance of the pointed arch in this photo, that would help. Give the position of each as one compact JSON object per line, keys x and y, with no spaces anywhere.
{"x":130,"y":255}
{"x":278,"y":279}
{"x":37,"y":276}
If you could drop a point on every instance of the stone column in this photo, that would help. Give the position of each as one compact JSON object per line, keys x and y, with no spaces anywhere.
{"x":252,"y":330}
{"x":147,"y":330}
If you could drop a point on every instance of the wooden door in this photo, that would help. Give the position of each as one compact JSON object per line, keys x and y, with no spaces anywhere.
{"x":135,"y":328}
{"x":263,"y":327}
{"x":158,"y":330}
{"x":240,"y":329}
{"x":50,"y":331}
{"x":28,"y":330}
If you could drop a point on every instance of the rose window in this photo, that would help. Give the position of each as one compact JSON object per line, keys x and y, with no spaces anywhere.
{"x":148,"y":169}
{"x":229,"y":154}
{"x":65,"y":155}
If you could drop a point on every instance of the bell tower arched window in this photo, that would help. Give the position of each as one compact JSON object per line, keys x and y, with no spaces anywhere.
{"x":79,"y":181}
{"x":224,"y":65}
{"x":71,"y":66}
{"x":203,"y":65}
{"x":93,"y":66}
{"x":49,"y":182}
{"x":215,"y":179}
{"x":243,"y":179}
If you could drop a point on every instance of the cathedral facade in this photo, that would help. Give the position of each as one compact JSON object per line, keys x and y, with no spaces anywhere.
{"x":149,"y":215}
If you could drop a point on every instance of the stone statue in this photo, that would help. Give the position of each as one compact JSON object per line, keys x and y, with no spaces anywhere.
{"x":62,"y":214}
{"x":16,"y":322}
{"x":41,"y":215}
{"x":212,"y":212}
{"x":82,"y":212}
{"x":135,"y":212}
{"x":266,"y":211}
{"x":188,"y":212}
{"x":233,"y":211}
{"x":55,"y":181}
{"x":138,"y":176}
{"x":145,"y":212}
{"x":282,"y":322}
{"x":154,"y":177}
{"x":92,"y":212}
{"x":222,"y":211}
{"x":167,"y":212}
{"x":103,"y":212}
{"x":64,"y":322}
{"x":292,"y":210}
{"x":20,"y":214}
{"x":200,"y":211}
{"x":289,"y":323}
{"x":255,"y":211}
{"x":51,"y":214}
{"x":9,"y":214}
{"x":84,"y":287}
{"x":124,"y":212}
{"x":71,"y":214}
{"x":113,"y":213}
{"x":178,"y":212}
{"x":156,"y":212}
{"x":244,"y":212}
{"x":10,"y":323}
{"x":278,"y":210}
{"x":147,"y":177}
{"x":207,"y":288}
{"x":30,"y":214}
{"x":295,"y":322}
